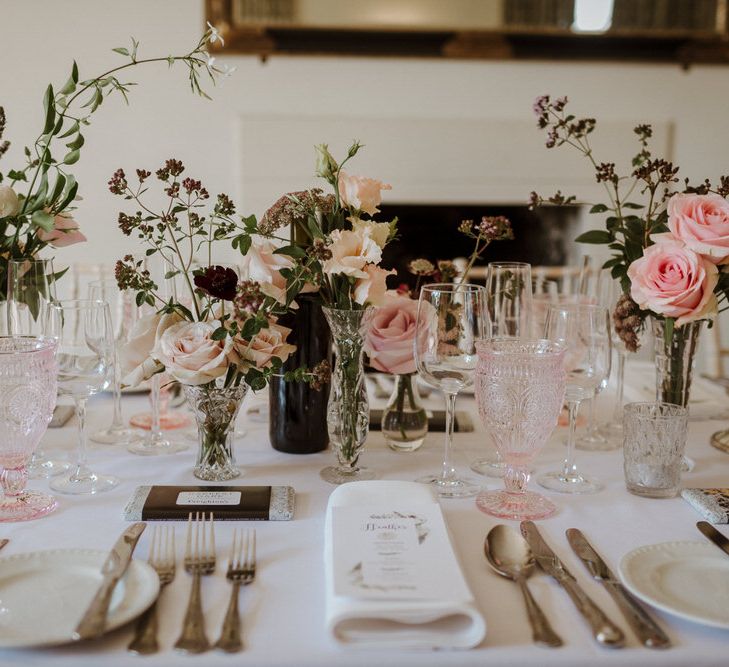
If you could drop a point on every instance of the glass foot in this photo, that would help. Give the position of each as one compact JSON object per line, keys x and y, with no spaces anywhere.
{"x":45,"y":468}
{"x":558,"y":481}
{"x":336,"y":475}
{"x":452,"y":488}
{"x":526,"y":506}
{"x":489,"y":466}
{"x":88,"y":484}
{"x":115,"y":435}
{"x":168,"y":421}
{"x":156,"y":446}
{"x":28,"y":505}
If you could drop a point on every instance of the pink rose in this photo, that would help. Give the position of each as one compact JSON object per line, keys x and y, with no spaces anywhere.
{"x":65,"y":232}
{"x":373,"y":286}
{"x":702,"y":223}
{"x":360,"y":193}
{"x":672,"y":280}
{"x":351,"y":250}
{"x":135,"y":356}
{"x":270,"y":342}
{"x":390,"y":340}
{"x":190,"y":355}
{"x":262,"y":265}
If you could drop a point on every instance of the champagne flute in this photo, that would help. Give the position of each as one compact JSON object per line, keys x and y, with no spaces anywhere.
{"x":122,"y":309}
{"x":509,"y":302}
{"x":451,"y":318}
{"x":584,"y":330}
{"x":85,"y":338}
{"x":31,"y":287}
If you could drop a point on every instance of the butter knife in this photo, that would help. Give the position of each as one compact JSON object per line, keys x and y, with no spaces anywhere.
{"x":714,"y":535}
{"x":94,"y":620}
{"x":643,"y":625}
{"x":604,"y":630}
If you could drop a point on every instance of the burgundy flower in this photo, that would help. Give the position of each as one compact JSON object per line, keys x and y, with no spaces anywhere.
{"x":218,"y":281}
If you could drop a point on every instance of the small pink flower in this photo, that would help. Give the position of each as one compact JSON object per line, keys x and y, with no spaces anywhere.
{"x":674,"y":281}
{"x":65,"y":232}
{"x":702,"y":223}
{"x":360,"y":193}
{"x":270,"y":342}
{"x":373,"y":286}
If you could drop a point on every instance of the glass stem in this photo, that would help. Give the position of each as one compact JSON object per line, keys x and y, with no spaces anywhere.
{"x":591,"y":426}
{"x":569,"y":471}
{"x":618,"y":412}
{"x":116,"y":422}
{"x":82,"y":470}
{"x":449,"y":471}
{"x":155,"y":432}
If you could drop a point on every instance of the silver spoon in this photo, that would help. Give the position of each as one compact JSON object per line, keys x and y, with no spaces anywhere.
{"x":509,"y":554}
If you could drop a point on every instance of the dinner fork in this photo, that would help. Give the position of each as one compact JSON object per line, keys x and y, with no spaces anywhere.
{"x":240,"y":572}
{"x":162,"y":555}
{"x":199,"y":561}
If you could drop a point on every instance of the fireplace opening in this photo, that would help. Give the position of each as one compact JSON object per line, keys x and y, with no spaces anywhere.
{"x":543,"y":237}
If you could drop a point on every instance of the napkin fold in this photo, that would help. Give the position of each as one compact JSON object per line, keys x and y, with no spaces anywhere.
{"x":421,"y":624}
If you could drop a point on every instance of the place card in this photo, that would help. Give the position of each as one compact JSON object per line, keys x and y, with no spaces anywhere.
{"x":233,"y":503}
{"x":389,"y":552}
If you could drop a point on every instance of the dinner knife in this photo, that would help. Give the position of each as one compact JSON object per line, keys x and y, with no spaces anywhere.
{"x":93,"y":622}
{"x":643,"y":625}
{"x":714,"y":535}
{"x":604,"y":630}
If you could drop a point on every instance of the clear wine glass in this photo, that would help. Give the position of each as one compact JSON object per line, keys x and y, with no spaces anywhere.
{"x":451,"y":318}
{"x":27,"y":398}
{"x":31,"y":287}
{"x":584,"y":330}
{"x":509,"y":303}
{"x":85,"y":338}
{"x":123,"y":311}
{"x":520,"y":387}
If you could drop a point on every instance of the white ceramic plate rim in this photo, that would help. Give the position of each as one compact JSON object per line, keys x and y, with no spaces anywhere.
{"x":142,"y":577}
{"x":637,"y":588}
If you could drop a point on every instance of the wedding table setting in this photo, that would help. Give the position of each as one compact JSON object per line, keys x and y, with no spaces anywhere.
{"x":226,"y":476}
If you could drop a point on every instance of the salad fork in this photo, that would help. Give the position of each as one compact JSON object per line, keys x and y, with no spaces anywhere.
{"x":241,"y":571}
{"x":199,"y":561}
{"x":162,"y":557}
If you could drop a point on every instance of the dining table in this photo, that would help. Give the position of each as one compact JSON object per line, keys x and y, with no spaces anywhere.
{"x":283,"y":610}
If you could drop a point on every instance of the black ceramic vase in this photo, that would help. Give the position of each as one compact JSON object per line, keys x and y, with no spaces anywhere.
{"x":298,"y":413}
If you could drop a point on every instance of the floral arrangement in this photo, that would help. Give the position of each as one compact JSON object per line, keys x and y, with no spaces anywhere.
{"x":218,"y":330}
{"x":667,"y":247}
{"x":36,"y":200}
{"x":335,"y":245}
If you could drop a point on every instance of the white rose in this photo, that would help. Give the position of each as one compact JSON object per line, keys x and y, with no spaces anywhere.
{"x":135,"y":357}
{"x":9,"y":202}
{"x":351,"y":251}
{"x":190,"y":354}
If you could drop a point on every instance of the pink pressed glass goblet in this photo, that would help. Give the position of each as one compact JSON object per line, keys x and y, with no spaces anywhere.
{"x":27,"y":399}
{"x":520,"y":387}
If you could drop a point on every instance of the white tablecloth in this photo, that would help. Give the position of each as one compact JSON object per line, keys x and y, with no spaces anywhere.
{"x":283,"y":611}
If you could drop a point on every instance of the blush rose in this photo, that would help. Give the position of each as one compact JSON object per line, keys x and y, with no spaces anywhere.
{"x":702,"y":223}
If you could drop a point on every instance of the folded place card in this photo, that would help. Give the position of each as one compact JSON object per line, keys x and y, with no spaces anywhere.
{"x":712,"y":504}
{"x":385,"y":542}
{"x":227,"y":503}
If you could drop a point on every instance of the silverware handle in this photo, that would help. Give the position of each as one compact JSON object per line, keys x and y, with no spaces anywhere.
{"x":94,"y":620}
{"x":603,"y":629}
{"x":193,"y":638}
{"x":542,"y":632}
{"x":145,"y":637}
{"x":230,"y":639}
{"x":643,"y":625}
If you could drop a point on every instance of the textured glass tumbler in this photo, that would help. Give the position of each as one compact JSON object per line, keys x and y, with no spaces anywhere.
{"x":654,"y":438}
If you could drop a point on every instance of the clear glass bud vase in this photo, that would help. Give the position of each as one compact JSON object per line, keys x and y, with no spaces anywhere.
{"x":404,"y":420}
{"x":348,"y":410}
{"x":215,"y":410}
{"x":674,"y":357}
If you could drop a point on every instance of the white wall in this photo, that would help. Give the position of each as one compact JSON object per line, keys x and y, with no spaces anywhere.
{"x":40,"y":38}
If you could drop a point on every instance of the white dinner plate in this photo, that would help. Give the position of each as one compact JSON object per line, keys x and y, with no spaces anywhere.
{"x":44,"y":594}
{"x":687,"y":579}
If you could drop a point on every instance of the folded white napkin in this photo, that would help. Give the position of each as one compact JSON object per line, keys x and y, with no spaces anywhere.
{"x":438,"y":623}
